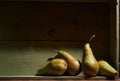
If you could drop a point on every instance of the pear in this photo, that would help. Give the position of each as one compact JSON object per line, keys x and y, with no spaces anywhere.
{"x":90,"y":65}
{"x":106,"y":69}
{"x":56,"y":67}
{"x":74,"y":65}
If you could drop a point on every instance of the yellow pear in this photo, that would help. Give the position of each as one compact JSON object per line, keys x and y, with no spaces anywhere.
{"x":74,"y":65}
{"x":56,"y":66}
{"x":106,"y":69}
{"x":90,"y":65}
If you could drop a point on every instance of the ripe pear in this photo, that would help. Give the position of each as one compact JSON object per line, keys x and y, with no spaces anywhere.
{"x":56,"y":67}
{"x":106,"y":69}
{"x":74,"y":65}
{"x":90,"y":65}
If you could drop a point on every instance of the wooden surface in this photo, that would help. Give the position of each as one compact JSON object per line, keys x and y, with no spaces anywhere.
{"x":88,"y":1}
{"x":61,"y":80}
{"x":22,"y":21}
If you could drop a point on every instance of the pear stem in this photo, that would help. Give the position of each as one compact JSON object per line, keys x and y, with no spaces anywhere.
{"x":91,"y":38}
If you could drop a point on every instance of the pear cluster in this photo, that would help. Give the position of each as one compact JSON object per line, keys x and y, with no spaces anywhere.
{"x":66,"y":64}
{"x":92,"y":67}
{"x":62,"y":64}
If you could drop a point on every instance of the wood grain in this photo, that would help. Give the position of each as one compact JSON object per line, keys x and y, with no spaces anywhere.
{"x":54,"y":21}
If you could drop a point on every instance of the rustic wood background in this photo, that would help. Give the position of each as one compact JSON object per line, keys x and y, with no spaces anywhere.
{"x":31,"y":24}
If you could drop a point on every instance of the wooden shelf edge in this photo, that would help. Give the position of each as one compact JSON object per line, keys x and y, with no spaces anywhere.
{"x":85,"y":1}
{"x":55,"y":78}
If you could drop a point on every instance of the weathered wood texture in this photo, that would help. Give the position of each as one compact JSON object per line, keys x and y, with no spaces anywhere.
{"x":114,"y":33}
{"x":54,"y":21}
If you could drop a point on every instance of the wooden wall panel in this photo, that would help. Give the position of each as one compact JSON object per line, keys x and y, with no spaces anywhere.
{"x":53,"y":21}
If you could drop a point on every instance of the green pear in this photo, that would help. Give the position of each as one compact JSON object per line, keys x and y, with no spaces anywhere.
{"x":74,"y":65}
{"x":106,"y":69}
{"x":90,"y":65}
{"x":56,"y":67}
